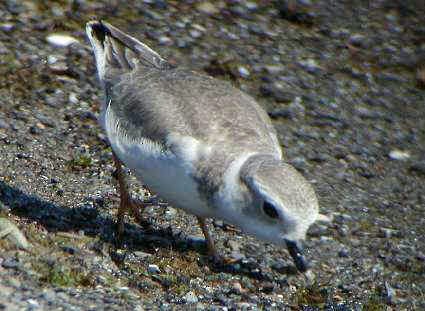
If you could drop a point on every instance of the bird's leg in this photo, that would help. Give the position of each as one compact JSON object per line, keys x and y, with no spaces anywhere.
{"x":209,"y":239}
{"x":126,"y":203}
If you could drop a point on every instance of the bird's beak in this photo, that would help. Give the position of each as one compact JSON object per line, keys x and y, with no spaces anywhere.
{"x":296,"y":251}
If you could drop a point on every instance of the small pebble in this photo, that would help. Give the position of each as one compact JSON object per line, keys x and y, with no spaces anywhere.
{"x":276,"y":92}
{"x":251,"y":5}
{"x":33,"y":303}
{"x":237,"y":288}
{"x":164,"y":40}
{"x":142,"y":255}
{"x":207,"y":8}
{"x":10,"y":263}
{"x":243,"y":72}
{"x":6,"y":27}
{"x":420,"y":256}
{"x":399,"y":155}
{"x":418,"y":167}
{"x":325,"y":218}
{"x":40,"y":125}
{"x":73,"y":98}
{"x":310,"y":276}
{"x":190,"y":297}
{"x":236,"y":255}
{"x":59,"y":68}
{"x":60,"y":40}
{"x":233,"y":245}
{"x":420,"y":77}
{"x":3,"y":124}
{"x":49,"y":295}
{"x":297,"y":11}
{"x":35,"y":130}
{"x":317,"y":230}
{"x":195,"y":33}
{"x":244,"y":306}
{"x":153,"y":269}
{"x":343,"y":253}
{"x":268,"y":287}
{"x":357,"y":40}
{"x":310,"y":65}
{"x":274,"y":69}
{"x":368,"y":113}
{"x":283,"y":112}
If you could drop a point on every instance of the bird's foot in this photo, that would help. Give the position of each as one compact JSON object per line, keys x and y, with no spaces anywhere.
{"x":133,"y":206}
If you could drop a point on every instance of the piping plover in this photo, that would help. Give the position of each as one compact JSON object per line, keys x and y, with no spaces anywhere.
{"x":199,"y":143}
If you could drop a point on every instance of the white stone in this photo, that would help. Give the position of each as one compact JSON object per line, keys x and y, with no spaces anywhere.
{"x":325,"y":218}
{"x":164,"y":40}
{"x":399,"y":155}
{"x":33,"y":303}
{"x":190,"y":297}
{"x":243,"y":72}
{"x":60,"y":40}
{"x":73,"y":98}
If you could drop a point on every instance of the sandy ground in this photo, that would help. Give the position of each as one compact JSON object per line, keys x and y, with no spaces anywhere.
{"x":344,"y":83}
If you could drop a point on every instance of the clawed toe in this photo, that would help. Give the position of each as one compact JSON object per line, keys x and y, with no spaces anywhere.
{"x":133,"y":207}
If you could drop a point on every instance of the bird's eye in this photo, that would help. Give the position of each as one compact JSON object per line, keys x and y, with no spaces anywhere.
{"x":270,"y":210}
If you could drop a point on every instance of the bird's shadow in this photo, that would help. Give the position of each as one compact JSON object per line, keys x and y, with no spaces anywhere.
{"x":56,"y":218}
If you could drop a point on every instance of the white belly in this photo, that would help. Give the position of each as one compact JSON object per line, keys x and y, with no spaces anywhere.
{"x":162,"y":171}
{"x":165,"y":176}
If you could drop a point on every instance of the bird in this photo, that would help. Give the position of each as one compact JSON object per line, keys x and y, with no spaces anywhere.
{"x":199,"y":143}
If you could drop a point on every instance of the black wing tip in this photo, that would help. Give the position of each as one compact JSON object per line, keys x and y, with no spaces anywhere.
{"x":99,"y":30}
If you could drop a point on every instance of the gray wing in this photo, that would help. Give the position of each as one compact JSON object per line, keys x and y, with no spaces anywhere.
{"x":179,"y":111}
{"x":153,"y":100}
{"x":182,"y":111}
{"x":155,"y":104}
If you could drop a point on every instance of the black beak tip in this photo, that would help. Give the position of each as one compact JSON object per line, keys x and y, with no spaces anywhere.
{"x":295,"y":250}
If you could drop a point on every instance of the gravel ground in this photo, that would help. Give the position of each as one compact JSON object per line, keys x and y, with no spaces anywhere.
{"x":344,"y":82}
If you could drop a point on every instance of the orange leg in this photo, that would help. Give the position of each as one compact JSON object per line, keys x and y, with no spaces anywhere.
{"x":209,"y":239}
{"x":126,"y":202}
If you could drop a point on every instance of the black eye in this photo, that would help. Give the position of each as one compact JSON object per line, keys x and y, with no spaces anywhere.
{"x":270,"y":210}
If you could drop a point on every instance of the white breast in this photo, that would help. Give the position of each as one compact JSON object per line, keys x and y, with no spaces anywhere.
{"x":164,"y":172}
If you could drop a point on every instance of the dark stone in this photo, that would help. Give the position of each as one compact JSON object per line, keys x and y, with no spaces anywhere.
{"x":35,"y":130}
{"x":283,"y":112}
{"x":420,"y":256}
{"x":418,"y":167}
{"x":317,"y":157}
{"x":343,"y":253}
{"x":221,"y":67}
{"x":10,"y":263}
{"x":279,"y":95}
{"x":240,"y":11}
{"x":296,"y":12}
{"x":45,"y":120}
{"x":268,"y":287}
{"x":69,"y":249}
{"x":22,"y":155}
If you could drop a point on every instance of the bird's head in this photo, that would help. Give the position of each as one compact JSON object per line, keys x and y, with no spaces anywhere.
{"x":275,"y":204}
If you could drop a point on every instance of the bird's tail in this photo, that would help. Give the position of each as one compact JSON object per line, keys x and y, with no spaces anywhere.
{"x":117,"y":52}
